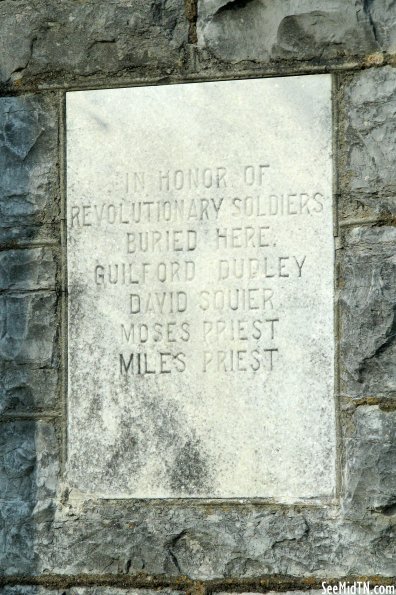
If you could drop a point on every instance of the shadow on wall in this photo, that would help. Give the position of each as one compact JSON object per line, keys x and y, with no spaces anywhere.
{"x":29,"y":361}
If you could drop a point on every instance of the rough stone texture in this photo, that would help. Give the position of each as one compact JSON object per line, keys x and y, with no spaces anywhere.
{"x":29,"y":209}
{"x":272,"y":30}
{"x":371,"y":129}
{"x":371,"y":463}
{"x":18,"y":457}
{"x":213,"y":540}
{"x":28,"y":327}
{"x":382,"y":14}
{"x":28,"y":376}
{"x":361,"y":207}
{"x":25,"y":388}
{"x":43,"y":527}
{"x":90,"y":38}
{"x":17,"y":533}
{"x":207,"y":541}
{"x":28,"y":465}
{"x":27,"y":269}
{"x":29,"y":468}
{"x":28,"y":162}
{"x":367,"y":142}
{"x":368,"y":312}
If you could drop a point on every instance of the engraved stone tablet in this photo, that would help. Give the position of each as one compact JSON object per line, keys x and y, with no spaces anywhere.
{"x":200,"y":267}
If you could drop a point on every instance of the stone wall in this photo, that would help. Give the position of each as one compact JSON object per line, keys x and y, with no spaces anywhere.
{"x":52,"y":543}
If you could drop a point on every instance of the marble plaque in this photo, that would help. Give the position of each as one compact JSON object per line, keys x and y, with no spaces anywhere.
{"x":200,"y":257}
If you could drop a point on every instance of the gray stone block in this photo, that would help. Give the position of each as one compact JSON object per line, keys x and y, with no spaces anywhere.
{"x":210,"y":541}
{"x":28,"y":162}
{"x":29,"y":235}
{"x":371,"y":463}
{"x":25,"y":388}
{"x":27,"y":269}
{"x":367,"y":312}
{"x":361,"y":207}
{"x":78,"y":39}
{"x":369,"y":147}
{"x":29,"y":463}
{"x":202,"y":542}
{"x":29,"y":468}
{"x":16,"y":538}
{"x":17,"y":461}
{"x":28,"y":325}
{"x":267,"y":30}
{"x":382,"y":14}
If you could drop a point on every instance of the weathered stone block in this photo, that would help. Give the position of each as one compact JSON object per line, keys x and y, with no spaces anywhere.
{"x":267,"y":30}
{"x":30,"y":234}
{"x":28,"y":325}
{"x":382,"y":14}
{"x":202,"y":542}
{"x":212,"y":540}
{"x":368,"y":307}
{"x":26,"y":388}
{"x":28,"y":162}
{"x":369,"y":146}
{"x":29,"y":467}
{"x":77,"y":39}
{"x":47,"y":469}
{"x":16,"y":537}
{"x":370,"y":457}
{"x":28,"y":462}
{"x":361,"y":207}
{"x":27,"y":269}
{"x":17,"y":461}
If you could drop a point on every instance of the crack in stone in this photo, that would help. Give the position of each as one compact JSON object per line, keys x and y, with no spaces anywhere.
{"x":20,"y":69}
{"x":171,"y":545}
{"x":191,"y":12}
{"x":390,"y":336}
{"x":101,"y":41}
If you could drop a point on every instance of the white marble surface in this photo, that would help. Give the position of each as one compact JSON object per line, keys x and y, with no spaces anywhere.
{"x":200,"y":248}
